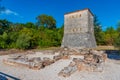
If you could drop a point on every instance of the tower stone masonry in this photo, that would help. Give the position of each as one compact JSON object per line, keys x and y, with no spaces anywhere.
{"x":79,"y":30}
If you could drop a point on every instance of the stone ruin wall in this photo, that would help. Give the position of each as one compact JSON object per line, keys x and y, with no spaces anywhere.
{"x":79,"y":30}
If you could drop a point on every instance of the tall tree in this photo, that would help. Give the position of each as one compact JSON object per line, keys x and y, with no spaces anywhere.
{"x":4,"y":25}
{"x":98,"y":31}
{"x":46,"y":21}
{"x":117,"y":40}
{"x":118,"y":26}
{"x":110,"y":35}
{"x":4,"y":40}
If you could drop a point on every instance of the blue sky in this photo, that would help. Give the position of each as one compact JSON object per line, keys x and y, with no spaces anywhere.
{"x":24,"y":11}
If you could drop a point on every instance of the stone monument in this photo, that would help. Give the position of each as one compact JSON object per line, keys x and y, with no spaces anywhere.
{"x":79,"y":30}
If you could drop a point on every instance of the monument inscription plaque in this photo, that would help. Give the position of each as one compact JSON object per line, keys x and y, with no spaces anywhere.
{"x":79,"y":29}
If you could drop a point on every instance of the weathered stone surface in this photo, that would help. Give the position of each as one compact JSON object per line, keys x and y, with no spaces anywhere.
{"x":15,"y":56}
{"x":47,"y":61}
{"x":79,"y":30}
{"x":67,"y":71}
{"x":85,"y":60}
{"x":82,"y":59}
{"x":56,"y":58}
{"x":37,"y":66}
{"x":32,"y":63}
{"x":30,"y":52}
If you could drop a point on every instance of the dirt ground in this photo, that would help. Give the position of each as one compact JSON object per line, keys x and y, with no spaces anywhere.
{"x":111,"y":70}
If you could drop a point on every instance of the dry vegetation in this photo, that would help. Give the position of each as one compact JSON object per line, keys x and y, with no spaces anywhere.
{"x":12,"y":51}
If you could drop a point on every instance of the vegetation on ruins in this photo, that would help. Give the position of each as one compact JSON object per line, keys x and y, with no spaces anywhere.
{"x":45,"y":33}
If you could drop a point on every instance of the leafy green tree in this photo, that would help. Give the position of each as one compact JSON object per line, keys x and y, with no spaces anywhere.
{"x":117,"y":40}
{"x":46,"y":21}
{"x":13,"y":36}
{"x":4,"y":40}
{"x":60,"y":33}
{"x":118,"y":27}
{"x":23,"y":41}
{"x":110,"y":35}
{"x":30,"y":25}
{"x":4,"y":25}
{"x":98,"y":31}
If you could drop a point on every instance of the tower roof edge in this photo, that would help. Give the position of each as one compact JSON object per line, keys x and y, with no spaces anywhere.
{"x":80,"y":11}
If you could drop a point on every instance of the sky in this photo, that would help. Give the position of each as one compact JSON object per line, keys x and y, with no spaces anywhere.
{"x":23,"y":11}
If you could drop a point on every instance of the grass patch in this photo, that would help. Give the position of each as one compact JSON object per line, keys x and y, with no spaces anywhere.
{"x":106,"y":48}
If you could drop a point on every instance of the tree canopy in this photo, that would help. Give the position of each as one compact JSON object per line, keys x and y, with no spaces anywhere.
{"x":98,"y":31}
{"x":46,"y":21}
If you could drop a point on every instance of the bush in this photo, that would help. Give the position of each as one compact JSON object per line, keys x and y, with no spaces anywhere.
{"x":3,"y":40}
{"x":117,"y":43}
{"x":23,"y":41}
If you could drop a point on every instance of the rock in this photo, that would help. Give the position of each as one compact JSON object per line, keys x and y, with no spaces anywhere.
{"x":65,"y":57}
{"x":47,"y":61}
{"x":37,"y":59}
{"x":72,"y":64}
{"x":15,"y":56}
{"x":46,"y":58}
{"x":56,"y":58}
{"x":67,"y":71}
{"x":37,"y":66}
{"x":30,"y":52}
{"x":80,"y":66}
{"x":81,"y":57}
{"x":104,"y":57}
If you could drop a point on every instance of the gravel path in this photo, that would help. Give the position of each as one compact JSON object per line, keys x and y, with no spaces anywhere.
{"x":111,"y":72}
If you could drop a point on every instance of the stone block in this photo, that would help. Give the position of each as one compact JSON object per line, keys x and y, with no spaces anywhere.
{"x":67,"y":71}
{"x":56,"y":58}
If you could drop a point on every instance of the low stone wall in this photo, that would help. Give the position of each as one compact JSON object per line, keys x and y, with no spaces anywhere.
{"x":84,"y":60}
{"x":32,"y":61}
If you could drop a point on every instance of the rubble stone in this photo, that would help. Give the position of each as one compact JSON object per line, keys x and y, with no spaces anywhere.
{"x":67,"y":71}
{"x":86,"y":59}
{"x":91,"y":60}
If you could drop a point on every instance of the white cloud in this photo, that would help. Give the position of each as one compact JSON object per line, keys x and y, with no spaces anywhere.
{"x":10,"y":12}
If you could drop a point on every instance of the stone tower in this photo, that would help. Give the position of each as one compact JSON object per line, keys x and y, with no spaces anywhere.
{"x":79,"y":30}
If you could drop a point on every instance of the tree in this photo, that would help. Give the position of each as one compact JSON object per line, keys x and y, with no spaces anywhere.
{"x":46,"y":21}
{"x":118,"y":27}
{"x":4,"y":40}
{"x":16,"y":27}
{"x":110,"y":36}
{"x":117,"y":40}
{"x":13,"y":36}
{"x":4,"y":25}
{"x":23,"y":41}
{"x":98,"y":31}
{"x":30,"y":25}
